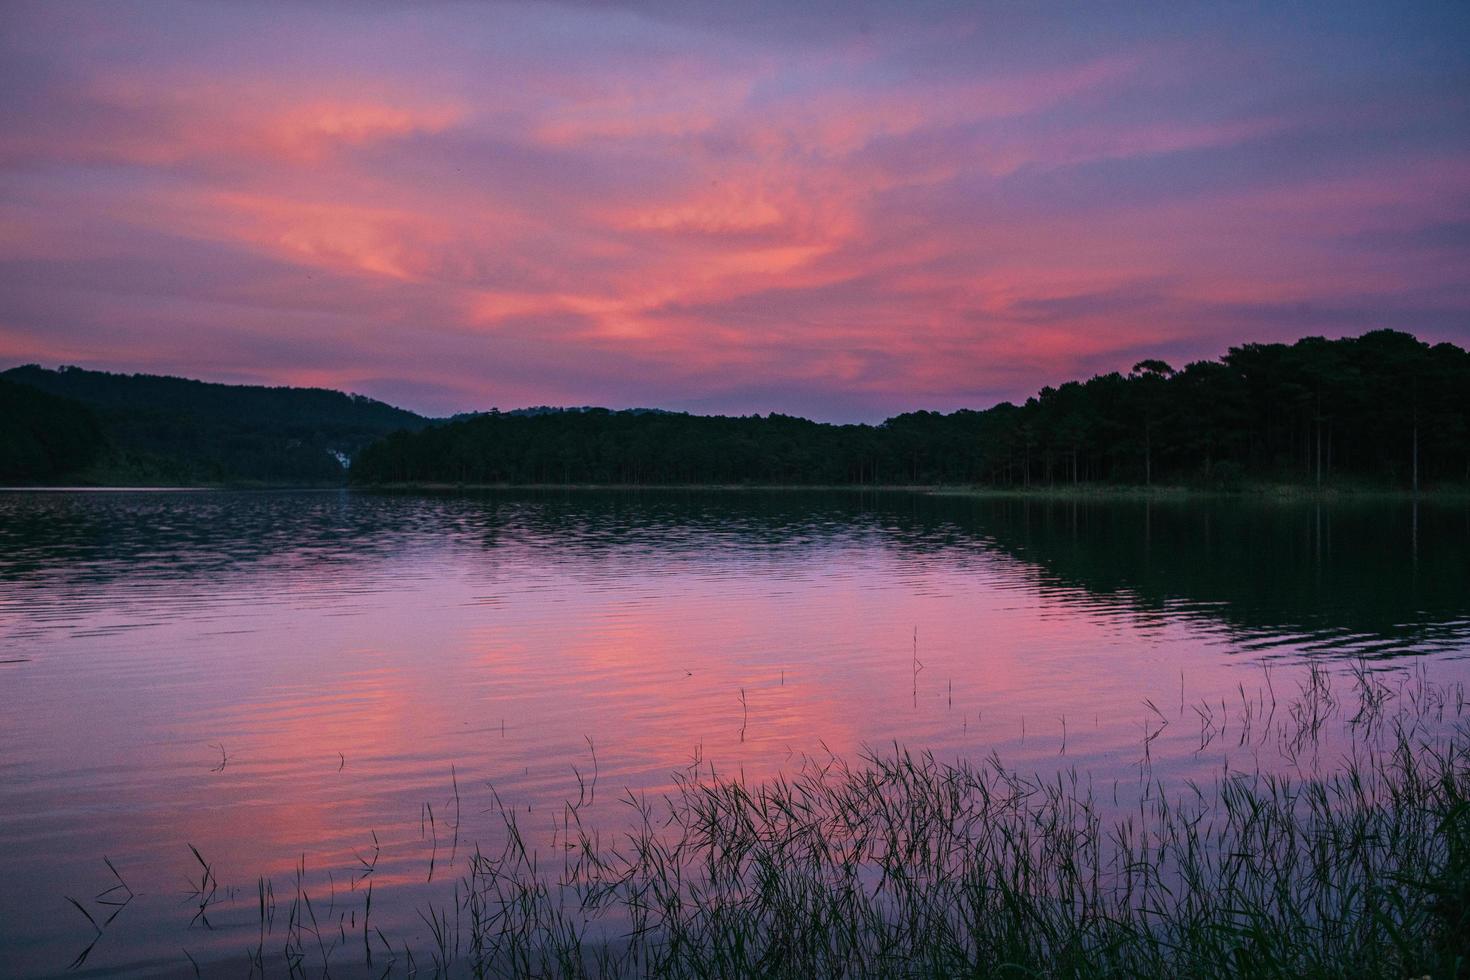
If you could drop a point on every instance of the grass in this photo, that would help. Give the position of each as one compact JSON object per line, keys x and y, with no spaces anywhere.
{"x":897,"y":864}
{"x":903,"y":866}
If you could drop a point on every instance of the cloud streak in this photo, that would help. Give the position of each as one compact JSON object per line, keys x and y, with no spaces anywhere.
{"x":466,"y":206}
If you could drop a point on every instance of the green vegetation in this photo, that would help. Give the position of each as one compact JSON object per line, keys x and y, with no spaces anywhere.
{"x":176,"y":431}
{"x":1378,"y":411}
{"x":907,"y":867}
{"x":44,"y":437}
{"x":1383,"y":408}
{"x":904,"y":866}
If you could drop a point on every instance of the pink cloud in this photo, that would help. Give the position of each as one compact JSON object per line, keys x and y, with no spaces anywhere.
{"x":599,"y":205}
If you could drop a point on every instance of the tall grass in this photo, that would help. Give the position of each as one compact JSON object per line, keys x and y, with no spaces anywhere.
{"x":1347,"y":856}
{"x":903,"y":866}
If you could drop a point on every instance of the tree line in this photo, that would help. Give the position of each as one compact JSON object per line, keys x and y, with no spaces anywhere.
{"x":99,"y":427}
{"x":1383,"y":408}
{"x":44,"y":437}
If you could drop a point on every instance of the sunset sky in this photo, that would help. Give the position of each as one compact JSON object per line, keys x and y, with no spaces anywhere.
{"x":832,"y":209}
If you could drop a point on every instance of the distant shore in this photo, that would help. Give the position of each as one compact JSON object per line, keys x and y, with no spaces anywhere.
{"x":1058,"y":492}
{"x":1088,"y":492}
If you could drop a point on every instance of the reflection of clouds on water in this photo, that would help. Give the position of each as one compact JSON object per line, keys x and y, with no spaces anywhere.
{"x":352,"y":650}
{"x":1371,"y":578}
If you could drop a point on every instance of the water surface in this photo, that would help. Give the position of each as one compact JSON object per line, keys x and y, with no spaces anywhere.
{"x":275,"y":678}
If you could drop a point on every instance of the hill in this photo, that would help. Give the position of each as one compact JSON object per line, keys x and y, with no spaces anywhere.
{"x":43,"y":437}
{"x":1383,"y":409}
{"x":175,"y":430}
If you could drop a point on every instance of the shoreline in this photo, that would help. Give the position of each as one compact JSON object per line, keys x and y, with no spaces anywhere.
{"x":1080,"y":492}
{"x":1264,"y":491}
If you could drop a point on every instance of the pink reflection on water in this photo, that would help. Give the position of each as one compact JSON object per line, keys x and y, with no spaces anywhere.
{"x":371,"y":702}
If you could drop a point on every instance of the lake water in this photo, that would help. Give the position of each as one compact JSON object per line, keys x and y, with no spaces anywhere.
{"x":298,"y":679}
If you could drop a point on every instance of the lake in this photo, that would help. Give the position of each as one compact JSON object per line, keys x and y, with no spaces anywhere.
{"x":322,"y":683}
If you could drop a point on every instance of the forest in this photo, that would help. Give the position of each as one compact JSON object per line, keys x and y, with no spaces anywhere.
{"x":1384,"y":409}
{"x":1380,"y":410}
{"x":43,"y":437}
{"x":97,"y":427}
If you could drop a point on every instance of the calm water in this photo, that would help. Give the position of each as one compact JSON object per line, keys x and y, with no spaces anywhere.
{"x":278,"y":677}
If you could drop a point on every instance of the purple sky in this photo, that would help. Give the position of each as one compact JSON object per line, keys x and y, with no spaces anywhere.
{"x":842,"y":212}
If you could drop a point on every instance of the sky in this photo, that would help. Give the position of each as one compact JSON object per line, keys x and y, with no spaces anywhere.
{"x":839,"y":210}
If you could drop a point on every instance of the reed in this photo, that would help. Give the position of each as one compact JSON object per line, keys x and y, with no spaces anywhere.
{"x":898,"y":864}
{"x":904,"y":866}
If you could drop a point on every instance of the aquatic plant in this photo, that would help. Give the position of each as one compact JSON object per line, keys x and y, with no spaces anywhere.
{"x":899,"y":864}
{"x":905,"y":866}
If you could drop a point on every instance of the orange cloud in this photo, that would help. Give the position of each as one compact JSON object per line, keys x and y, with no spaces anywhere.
{"x":596,"y":205}
{"x":310,"y":132}
{"x":372,"y":240}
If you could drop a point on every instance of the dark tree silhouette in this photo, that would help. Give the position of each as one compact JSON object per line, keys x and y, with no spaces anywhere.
{"x":173,"y":430}
{"x":1383,"y":408}
{"x":43,"y":437}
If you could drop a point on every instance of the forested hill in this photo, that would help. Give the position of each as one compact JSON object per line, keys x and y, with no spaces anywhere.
{"x":1383,"y":409}
{"x":42,"y":437}
{"x":175,"y":430}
